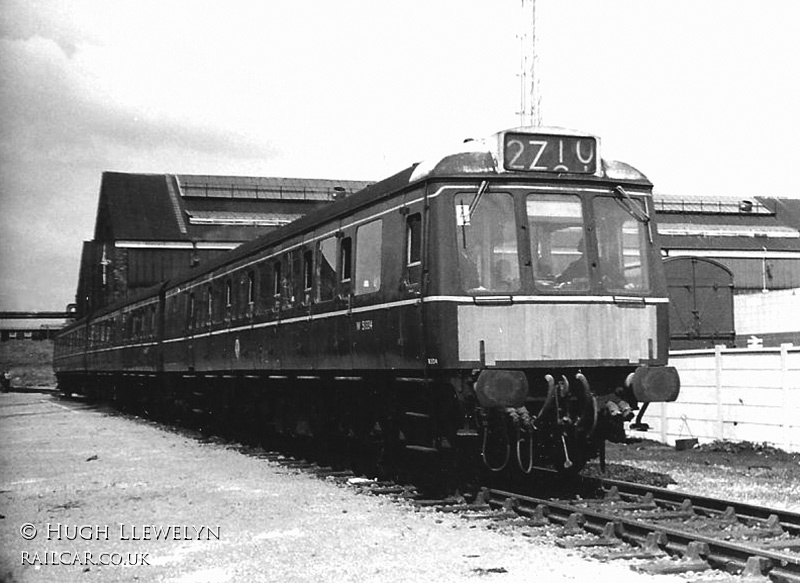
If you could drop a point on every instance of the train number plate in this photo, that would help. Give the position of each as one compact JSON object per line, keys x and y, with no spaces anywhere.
{"x":544,"y":153}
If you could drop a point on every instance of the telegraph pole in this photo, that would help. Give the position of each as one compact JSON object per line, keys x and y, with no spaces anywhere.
{"x":529,"y":98}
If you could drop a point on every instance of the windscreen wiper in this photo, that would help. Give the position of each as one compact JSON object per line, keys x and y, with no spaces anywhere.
{"x":633,"y":209}
{"x":478,"y":195}
{"x":484,"y":186}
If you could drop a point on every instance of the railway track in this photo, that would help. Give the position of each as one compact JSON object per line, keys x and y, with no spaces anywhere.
{"x":660,"y":531}
{"x":671,"y":532}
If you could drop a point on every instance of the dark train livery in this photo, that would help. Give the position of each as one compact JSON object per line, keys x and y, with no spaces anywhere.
{"x":505,"y":302}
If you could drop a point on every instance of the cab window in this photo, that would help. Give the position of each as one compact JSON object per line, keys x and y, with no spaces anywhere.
{"x":558,"y":246}
{"x":487,"y":242}
{"x":621,"y":245}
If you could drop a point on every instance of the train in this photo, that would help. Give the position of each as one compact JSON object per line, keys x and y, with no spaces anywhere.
{"x":496,"y":307}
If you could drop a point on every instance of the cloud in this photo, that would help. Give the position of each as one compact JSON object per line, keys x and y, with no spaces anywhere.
{"x":58,"y":132}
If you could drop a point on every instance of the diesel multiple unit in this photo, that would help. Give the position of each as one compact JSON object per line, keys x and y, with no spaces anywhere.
{"x":503,"y":302}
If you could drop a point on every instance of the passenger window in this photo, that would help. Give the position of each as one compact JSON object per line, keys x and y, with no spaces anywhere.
{"x":327,"y":269}
{"x":414,"y":240}
{"x":368,"y":258}
{"x":346,"y":255}
{"x":288,"y":277}
{"x":210,"y":304}
{"x":308,"y":276}
{"x":265,"y":290}
{"x":414,"y":248}
{"x":277,"y":283}
{"x":487,"y":242}
{"x":190,"y":313}
{"x":251,"y":288}
{"x":296,"y":280}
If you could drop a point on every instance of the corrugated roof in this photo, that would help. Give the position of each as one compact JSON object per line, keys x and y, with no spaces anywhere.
{"x":265,"y":188}
{"x":708,"y":204}
{"x":31,"y":323}
{"x":241,"y":218}
{"x":728,"y":230}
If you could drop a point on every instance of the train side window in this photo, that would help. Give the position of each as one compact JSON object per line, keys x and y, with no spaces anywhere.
{"x":294,"y":279}
{"x":326,"y":266}
{"x":308,"y":276}
{"x":251,"y":288}
{"x":190,"y":311}
{"x":369,"y":239}
{"x":345,"y":257}
{"x":264,"y":286}
{"x":285,"y":274}
{"x":414,"y":248}
{"x":210,"y":304}
{"x":277,"y":283}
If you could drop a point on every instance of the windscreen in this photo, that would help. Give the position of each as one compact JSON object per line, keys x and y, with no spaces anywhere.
{"x":487,"y":242}
{"x":558,"y":248}
{"x":621,"y":244}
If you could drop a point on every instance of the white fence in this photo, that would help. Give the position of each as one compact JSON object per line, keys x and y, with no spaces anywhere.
{"x":734,"y":395}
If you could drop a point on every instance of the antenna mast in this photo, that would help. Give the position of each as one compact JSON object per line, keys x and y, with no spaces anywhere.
{"x":529,"y":99}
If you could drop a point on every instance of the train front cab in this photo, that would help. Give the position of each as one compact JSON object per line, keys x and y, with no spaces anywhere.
{"x":549,"y":304}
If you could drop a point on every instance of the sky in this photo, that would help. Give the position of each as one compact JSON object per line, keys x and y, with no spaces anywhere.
{"x":700,"y":95}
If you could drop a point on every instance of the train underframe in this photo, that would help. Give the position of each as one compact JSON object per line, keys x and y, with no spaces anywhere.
{"x":454,"y":425}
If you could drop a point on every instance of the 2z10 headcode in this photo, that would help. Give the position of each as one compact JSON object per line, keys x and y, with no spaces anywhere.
{"x":548,"y":153}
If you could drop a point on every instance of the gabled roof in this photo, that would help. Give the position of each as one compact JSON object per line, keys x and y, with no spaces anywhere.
{"x":136,"y":207}
{"x":186,"y":207}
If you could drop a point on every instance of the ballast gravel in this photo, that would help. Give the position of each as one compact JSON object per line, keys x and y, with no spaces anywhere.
{"x":93,"y":487}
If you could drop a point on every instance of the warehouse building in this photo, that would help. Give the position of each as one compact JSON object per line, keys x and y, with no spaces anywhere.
{"x":731,"y":257}
{"x":31,"y":325}
{"x":151,"y":227}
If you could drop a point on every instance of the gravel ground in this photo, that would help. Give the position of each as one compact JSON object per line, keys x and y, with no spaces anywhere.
{"x":744,"y":472}
{"x":98,"y":476}
{"x":72,"y":472}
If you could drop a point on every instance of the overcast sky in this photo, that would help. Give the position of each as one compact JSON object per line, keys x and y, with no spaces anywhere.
{"x":701,"y":95}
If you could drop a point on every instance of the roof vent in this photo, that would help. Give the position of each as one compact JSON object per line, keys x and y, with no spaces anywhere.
{"x":339,"y":192}
{"x":746,"y":206}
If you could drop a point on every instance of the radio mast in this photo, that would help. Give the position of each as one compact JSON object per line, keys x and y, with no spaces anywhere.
{"x":529,"y":99}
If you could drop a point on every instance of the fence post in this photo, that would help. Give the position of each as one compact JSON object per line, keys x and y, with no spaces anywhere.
{"x":785,"y":392}
{"x":718,"y":374}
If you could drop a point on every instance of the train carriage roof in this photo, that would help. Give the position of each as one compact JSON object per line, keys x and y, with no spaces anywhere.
{"x":464,"y":161}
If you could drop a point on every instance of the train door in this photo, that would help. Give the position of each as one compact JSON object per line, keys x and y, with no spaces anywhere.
{"x":343,"y":325}
{"x":405,"y":258}
{"x":325,"y":282}
{"x":189,"y":325}
{"x":368,"y":317}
